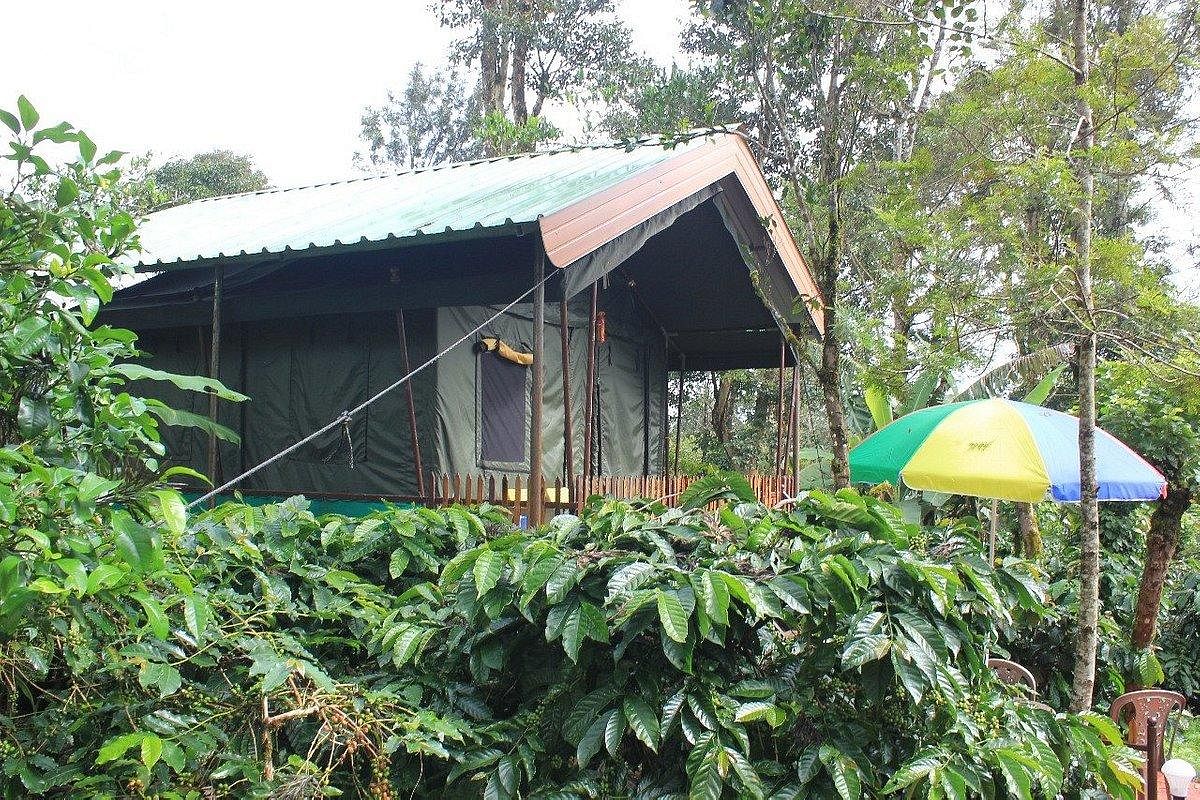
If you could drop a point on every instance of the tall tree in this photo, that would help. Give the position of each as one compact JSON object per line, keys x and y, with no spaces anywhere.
{"x":528,"y":52}
{"x":1157,"y":411}
{"x":651,"y":100}
{"x":430,"y":121}
{"x":1066,"y":131}
{"x":208,"y":174}
{"x":822,"y":85}
{"x":1088,"y":635}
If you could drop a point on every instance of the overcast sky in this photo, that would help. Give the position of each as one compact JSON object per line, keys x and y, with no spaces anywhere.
{"x":283,"y":81}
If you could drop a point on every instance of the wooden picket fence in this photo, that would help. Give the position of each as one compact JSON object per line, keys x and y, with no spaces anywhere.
{"x":512,"y":491}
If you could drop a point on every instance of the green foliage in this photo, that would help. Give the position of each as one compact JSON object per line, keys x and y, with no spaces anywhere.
{"x":502,"y":137}
{"x":208,"y":174}
{"x":649,"y":100}
{"x":630,"y":652}
{"x":1156,"y":411}
{"x":718,"y":486}
{"x":1179,"y":640}
{"x":520,"y":55}
{"x":431,"y":121}
{"x":65,"y":420}
{"x":879,"y":405}
{"x":1046,"y":649}
{"x":1040,"y":370}
{"x":730,"y":423}
{"x":194,"y":633}
{"x":84,"y":510}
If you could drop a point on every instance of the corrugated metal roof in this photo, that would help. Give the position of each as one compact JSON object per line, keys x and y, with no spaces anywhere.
{"x":434,"y":201}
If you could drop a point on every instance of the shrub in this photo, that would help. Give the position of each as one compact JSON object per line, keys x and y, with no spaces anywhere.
{"x":633,"y":652}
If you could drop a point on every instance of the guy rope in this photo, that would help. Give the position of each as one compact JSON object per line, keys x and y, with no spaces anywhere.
{"x":345,"y":417}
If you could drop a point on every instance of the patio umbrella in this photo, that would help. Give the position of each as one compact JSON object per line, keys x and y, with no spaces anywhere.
{"x":1001,"y":450}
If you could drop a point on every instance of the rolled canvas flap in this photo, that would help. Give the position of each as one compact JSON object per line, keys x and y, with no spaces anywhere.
{"x":500,"y":348}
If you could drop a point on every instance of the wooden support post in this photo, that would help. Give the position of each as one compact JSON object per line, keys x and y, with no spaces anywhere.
{"x":214,"y":372}
{"x":589,"y":393}
{"x":679,"y":415}
{"x":412,"y":406}
{"x":568,"y":428}
{"x":536,"y":497}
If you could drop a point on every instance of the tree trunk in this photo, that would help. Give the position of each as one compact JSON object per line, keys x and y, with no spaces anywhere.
{"x":1084,"y":677}
{"x":489,"y":58}
{"x":827,"y":258}
{"x":835,"y":411}
{"x":1087,"y":641}
{"x":520,"y":107}
{"x":829,"y":371}
{"x":500,"y":84}
{"x":1162,"y":542}
{"x":902,"y":314}
{"x":1030,"y":535}
{"x":492,"y":76}
{"x":829,"y":374}
{"x":722,"y":414}
{"x":520,"y":56}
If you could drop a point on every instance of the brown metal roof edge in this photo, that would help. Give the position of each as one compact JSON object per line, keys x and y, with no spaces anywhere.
{"x":755,"y":184}
{"x":572,"y":232}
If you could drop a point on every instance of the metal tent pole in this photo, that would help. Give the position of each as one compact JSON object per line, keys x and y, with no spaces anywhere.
{"x":589,"y":394}
{"x":214,"y":370}
{"x":795,"y":423}
{"x":779,"y":467}
{"x":243,"y":383}
{"x":664,"y":415}
{"x":536,"y":497}
{"x":646,"y":411}
{"x":679,"y":414}
{"x":568,"y":432}
{"x":412,"y":406}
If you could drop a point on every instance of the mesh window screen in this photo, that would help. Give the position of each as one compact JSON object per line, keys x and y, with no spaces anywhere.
{"x":502,"y":407}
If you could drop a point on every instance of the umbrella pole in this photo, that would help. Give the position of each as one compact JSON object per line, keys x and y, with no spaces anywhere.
{"x":992,"y":536}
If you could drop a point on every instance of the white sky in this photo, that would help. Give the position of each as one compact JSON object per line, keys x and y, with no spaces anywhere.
{"x":283,"y":81}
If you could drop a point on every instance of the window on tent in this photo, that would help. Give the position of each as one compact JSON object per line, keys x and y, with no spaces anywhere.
{"x":503,"y":412}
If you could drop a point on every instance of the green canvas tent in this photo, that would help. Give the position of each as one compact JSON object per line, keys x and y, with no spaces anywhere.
{"x":316,"y":293}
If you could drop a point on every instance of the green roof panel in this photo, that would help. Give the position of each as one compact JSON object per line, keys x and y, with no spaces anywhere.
{"x":425,"y":202}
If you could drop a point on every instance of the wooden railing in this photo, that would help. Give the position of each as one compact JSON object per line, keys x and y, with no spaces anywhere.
{"x":512,"y":492}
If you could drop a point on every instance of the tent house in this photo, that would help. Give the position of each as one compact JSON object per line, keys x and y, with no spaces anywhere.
{"x":636,"y":260}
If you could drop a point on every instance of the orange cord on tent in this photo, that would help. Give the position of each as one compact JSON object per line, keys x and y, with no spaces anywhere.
{"x":345,"y":417}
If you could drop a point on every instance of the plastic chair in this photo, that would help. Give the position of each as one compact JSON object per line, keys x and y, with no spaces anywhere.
{"x":1144,"y":713}
{"x":1011,"y":672}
